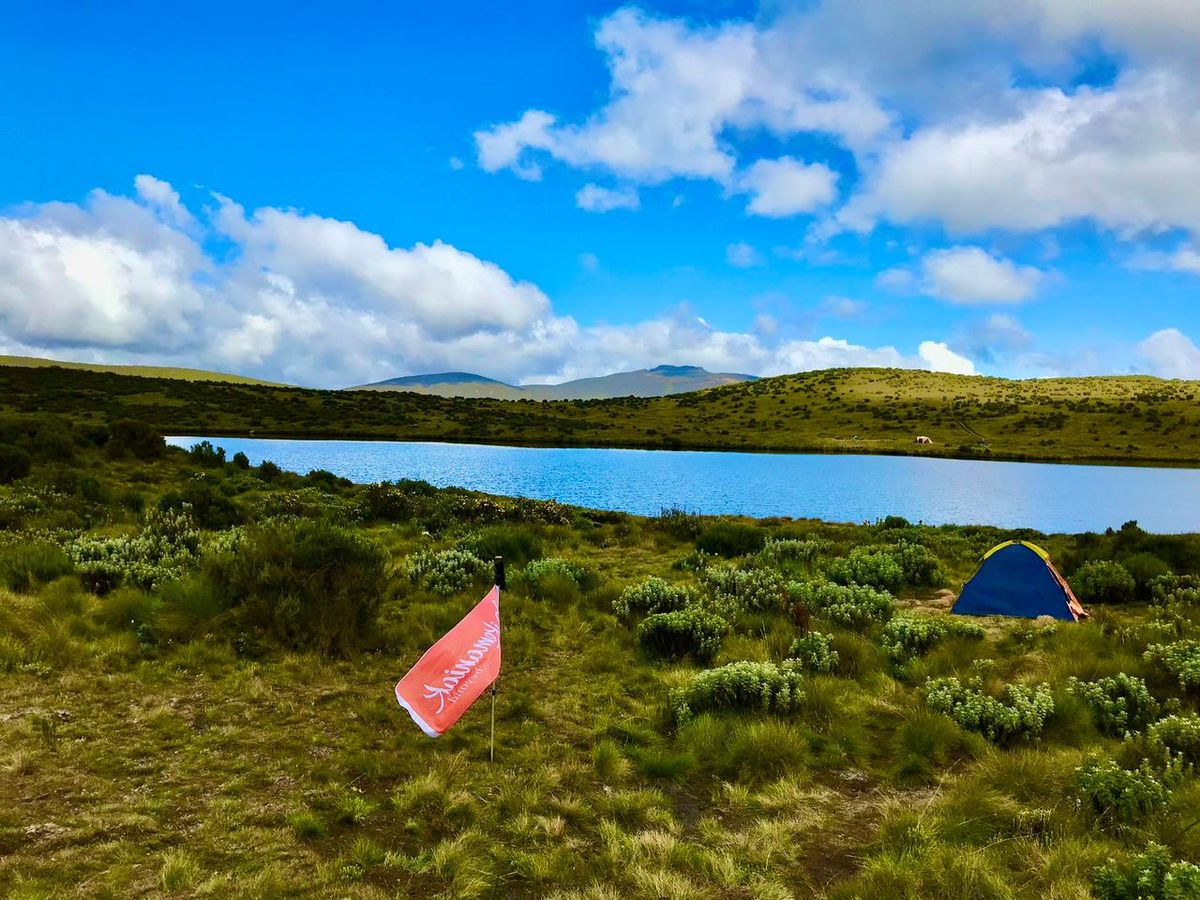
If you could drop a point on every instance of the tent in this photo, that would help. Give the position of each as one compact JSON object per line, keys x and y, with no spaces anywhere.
{"x":1016,"y":578}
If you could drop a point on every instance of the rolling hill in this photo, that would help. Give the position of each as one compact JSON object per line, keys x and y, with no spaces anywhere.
{"x":34,"y":362}
{"x":657,"y":382}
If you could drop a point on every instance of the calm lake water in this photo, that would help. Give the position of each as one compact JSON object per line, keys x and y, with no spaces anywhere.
{"x":836,"y":488}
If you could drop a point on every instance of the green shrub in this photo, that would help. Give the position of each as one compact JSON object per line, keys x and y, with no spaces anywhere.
{"x":870,"y":566}
{"x":26,"y":564}
{"x":754,"y":590}
{"x":1119,"y":705}
{"x":130,"y":437}
{"x":1181,"y":589}
{"x":852,"y":606}
{"x":15,"y":463}
{"x":518,"y":544}
{"x":1144,"y":569}
{"x":202,"y":499}
{"x":1103,"y":581}
{"x":679,"y":523}
{"x":740,"y":687}
{"x":652,"y":596}
{"x":1020,"y":714}
{"x":905,"y":637}
{"x":813,"y":652}
{"x":684,"y":632}
{"x":1123,"y":794}
{"x":730,"y":539}
{"x":447,"y":572}
{"x":167,"y":546}
{"x":241,"y":460}
{"x":205,"y":454}
{"x":919,"y":566}
{"x":1151,"y":875}
{"x":544,"y":577}
{"x":1177,"y":737}
{"x":308,"y":584}
{"x":777,"y":552}
{"x":1181,"y":659}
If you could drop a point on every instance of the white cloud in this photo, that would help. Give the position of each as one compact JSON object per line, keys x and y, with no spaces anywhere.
{"x":1171,"y":354}
{"x":940,"y":358}
{"x":594,"y":198}
{"x":742,"y":255}
{"x":787,"y":187}
{"x":969,"y":275}
{"x":1181,"y":259}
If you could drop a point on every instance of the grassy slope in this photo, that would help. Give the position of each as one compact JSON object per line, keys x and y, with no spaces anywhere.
{"x":1125,"y":419}
{"x":33,"y":362}
{"x":135,"y":765}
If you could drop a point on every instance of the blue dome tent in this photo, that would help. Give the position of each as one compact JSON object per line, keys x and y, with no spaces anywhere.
{"x":1016,"y":578}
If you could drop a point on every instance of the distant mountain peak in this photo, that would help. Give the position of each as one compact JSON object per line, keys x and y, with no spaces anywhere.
{"x":679,"y":370}
{"x":439,"y":378}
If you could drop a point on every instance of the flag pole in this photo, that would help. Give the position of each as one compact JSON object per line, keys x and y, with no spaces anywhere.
{"x":502,"y":585}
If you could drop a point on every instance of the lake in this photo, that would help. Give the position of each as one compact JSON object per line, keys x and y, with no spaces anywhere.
{"x":838,"y":488}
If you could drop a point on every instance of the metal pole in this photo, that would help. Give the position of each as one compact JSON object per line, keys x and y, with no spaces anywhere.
{"x":492,"y":744}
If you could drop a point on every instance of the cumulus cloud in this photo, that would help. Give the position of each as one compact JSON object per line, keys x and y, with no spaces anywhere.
{"x":787,"y":187}
{"x":940,"y":358}
{"x":1181,"y":259}
{"x":594,"y":198}
{"x":970,"y":275}
{"x":1171,"y":354}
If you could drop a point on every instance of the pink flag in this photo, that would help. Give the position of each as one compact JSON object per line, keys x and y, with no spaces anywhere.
{"x":456,"y":670}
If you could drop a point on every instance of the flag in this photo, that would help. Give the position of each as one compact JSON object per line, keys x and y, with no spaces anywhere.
{"x":456,"y":670}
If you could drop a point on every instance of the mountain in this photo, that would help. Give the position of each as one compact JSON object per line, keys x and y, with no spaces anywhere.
{"x":657,"y":382}
{"x":34,"y":362}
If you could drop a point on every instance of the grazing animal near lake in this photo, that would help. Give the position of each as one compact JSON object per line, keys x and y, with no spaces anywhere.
{"x":924,"y":439}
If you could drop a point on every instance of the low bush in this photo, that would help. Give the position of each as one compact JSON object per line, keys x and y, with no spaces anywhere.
{"x":857,"y":607}
{"x":241,"y":460}
{"x":1181,"y":589}
{"x":15,"y":463}
{"x":1181,"y":659}
{"x":776,"y":552}
{"x":753,"y":590}
{"x":1119,"y":705}
{"x":1151,"y":875}
{"x":869,"y":566}
{"x":557,"y":579}
{"x":1177,"y":737}
{"x":919,"y":566}
{"x":1019,"y":714}
{"x":1126,"y":795}
{"x":685,"y":632}
{"x":518,"y":544}
{"x":813,"y":652}
{"x":1144,"y":568}
{"x":1103,"y":581}
{"x":25,"y":564}
{"x":447,"y":572}
{"x":167,"y":547}
{"x":652,"y":596}
{"x":203,"y":500}
{"x":740,"y":687}
{"x":133,"y":438}
{"x":307,"y":584}
{"x":905,"y":637}
{"x":206,"y":455}
{"x":730,"y":539}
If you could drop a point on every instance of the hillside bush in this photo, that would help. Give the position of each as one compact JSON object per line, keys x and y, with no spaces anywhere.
{"x":1019,"y":714}
{"x":1119,"y":704}
{"x":1151,"y":875}
{"x":907,"y":636}
{"x":852,"y":606}
{"x":447,"y":572}
{"x":754,"y":590}
{"x":1124,"y":794}
{"x":730,"y":539}
{"x":305,"y":583}
{"x":685,"y":632}
{"x":652,"y":596}
{"x":15,"y":463}
{"x":1181,"y":659}
{"x":1103,"y":581}
{"x":813,"y":652}
{"x":740,"y":687}
{"x":1177,"y":737}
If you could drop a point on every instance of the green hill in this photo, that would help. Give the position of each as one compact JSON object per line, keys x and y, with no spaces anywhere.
{"x":1114,"y":420}
{"x":35,"y":362}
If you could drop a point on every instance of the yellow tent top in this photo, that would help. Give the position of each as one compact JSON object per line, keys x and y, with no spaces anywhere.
{"x":1034,"y":547}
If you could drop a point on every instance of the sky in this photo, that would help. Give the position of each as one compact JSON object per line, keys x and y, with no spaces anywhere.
{"x":331,"y":194}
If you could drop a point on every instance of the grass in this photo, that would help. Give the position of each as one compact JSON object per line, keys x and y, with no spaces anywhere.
{"x":1127,"y":419}
{"x":165,"y":740}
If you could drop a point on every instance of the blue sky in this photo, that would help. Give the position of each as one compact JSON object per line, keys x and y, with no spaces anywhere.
{"x":334,"y":194}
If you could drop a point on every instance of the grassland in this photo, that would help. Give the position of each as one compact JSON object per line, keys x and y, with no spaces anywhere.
{"x":179,"y":717}
{"x":1113,"y":420}
{"x":171,"y":372}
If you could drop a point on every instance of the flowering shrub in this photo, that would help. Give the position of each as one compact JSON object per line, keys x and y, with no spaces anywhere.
{"x":1181,"y":659}
{"x":167,"y":546}
{"x":1151,"y":875}
{"x":785,"y":550}
{"x":540,"y":569}
{"x":871,"y":566}
{"x":741,"y":687}
{"x":1181,"y":589}
{"x":1124,"y":794}
{"x":652,"y":596}
{"x":446,"y":572}
{"x":684,"y":632}
{"x":1019,"y":715}
{"x":907,"y":636}
{"x":753,"y":590}
{"x":1177,"y":737}
{"x":852,"y":606}
{"x":814,"y":652}
{"x":1120,"y":704}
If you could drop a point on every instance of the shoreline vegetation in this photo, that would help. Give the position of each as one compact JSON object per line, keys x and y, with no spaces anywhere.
{"x":197,"y":658}
{"x":1125,"y":420}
